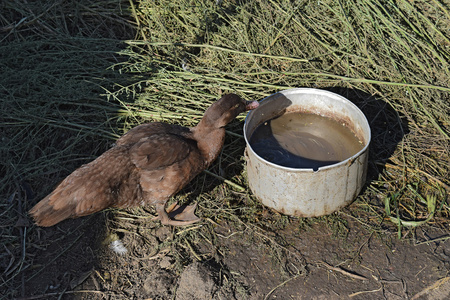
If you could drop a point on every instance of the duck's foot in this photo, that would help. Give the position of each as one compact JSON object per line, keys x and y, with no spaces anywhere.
{"x":177,"y":215}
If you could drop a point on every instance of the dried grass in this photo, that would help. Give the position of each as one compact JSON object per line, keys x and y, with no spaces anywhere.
{"x":391,"y":58}
{"x":70,"y":86}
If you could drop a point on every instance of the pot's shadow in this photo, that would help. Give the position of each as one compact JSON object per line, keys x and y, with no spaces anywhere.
{"x":387,"y":127}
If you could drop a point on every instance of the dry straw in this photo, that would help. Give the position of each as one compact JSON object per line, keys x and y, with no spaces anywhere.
{"x":75,"y":76}
{"x":391,"y":57}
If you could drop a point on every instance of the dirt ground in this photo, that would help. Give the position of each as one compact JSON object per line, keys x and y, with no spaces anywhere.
{"x":244,"y":262}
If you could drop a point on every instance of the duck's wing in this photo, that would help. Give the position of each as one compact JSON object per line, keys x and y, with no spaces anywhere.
{"x":161,"y":151}
{"x":89,"y":189}
{"x":142,"y":131}
{"x":167,"y":162}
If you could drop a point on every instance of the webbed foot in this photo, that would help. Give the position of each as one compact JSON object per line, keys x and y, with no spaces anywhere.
{"x":177,"y":215}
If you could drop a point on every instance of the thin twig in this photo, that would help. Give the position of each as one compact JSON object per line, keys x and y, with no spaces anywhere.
{"x":192,"y":250}
{"x":216,"y":48}
{"x":235,"y":185}
{"x":342,"y":271}
{"x":434,"y":286}
{"x":364,"y":292}
{"x":434,"y":240}
{"x":281,"y":284}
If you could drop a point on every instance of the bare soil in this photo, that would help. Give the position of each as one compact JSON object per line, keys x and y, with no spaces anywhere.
{"x":244,"y":262}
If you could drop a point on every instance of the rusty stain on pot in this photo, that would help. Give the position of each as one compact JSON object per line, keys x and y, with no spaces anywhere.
{"x":305,"y":192}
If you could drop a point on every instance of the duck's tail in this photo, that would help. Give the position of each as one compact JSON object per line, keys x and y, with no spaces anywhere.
{"x":89,"y":189}
{"x":45,"y":214}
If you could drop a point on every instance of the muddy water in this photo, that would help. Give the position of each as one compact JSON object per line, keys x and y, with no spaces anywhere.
{"x":302,"y":140}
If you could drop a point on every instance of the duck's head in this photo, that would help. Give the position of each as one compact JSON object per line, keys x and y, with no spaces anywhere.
{"x":224,"y":110}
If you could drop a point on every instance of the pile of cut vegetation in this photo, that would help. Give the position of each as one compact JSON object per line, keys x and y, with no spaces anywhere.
{"x":390,"y":58}
{"x":78,"y":74}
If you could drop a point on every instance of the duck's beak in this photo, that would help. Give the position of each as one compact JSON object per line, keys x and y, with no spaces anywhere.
{"x":249,"y":105}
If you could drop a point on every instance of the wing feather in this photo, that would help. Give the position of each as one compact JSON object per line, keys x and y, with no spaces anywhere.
{"x":160,"y":151}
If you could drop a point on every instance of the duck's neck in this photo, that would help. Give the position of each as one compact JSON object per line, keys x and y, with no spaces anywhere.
{"x":209,"y":140}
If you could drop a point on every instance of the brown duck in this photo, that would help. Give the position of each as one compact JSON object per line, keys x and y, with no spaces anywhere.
{"x":148,"y":165}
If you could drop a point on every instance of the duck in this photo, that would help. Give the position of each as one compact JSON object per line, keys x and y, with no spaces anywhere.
{"x":145,"y":167}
